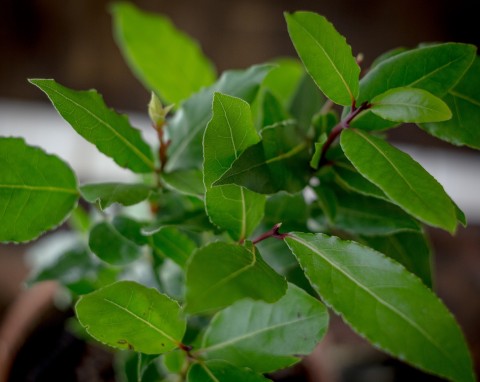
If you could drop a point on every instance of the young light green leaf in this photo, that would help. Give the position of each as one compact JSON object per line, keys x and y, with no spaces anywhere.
{"x":464,"y":101}
{"x":189,"y":182}
{"x":411,"y":249}
{"x":108,"y":193}
{"x":402,"y":179}
{"x":272,"y":110}
{"x":221,"y":371}
{"x":37,"y":191}
{"x":326,"y":56}
{"x":282,"y":81}
{"x":410,"y":105}
{"x":187,"y":127}
{"x":222,"y":273}
{"x":266,"y":337}
{"x":280,"y":162}
{"x":156,"y":51}
{"x":228,"y":134}
{"x":384,"y":303}
{"x":388,"y":54}
{"x":363,"y":215}
{"x":442,"y":67}
{"x":127,"y":315}
{"x":317,"y":154}
{"x":113,"y":135}
{"x":170,"y":242}
{"x":111,"y":246}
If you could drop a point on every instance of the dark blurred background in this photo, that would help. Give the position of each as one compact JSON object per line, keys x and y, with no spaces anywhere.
{"x":71,"y":41}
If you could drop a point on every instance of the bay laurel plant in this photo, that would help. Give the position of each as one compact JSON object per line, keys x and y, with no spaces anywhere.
{"x":274,"y":200}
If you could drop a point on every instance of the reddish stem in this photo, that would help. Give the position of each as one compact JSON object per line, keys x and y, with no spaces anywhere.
{"x":273,"y":232}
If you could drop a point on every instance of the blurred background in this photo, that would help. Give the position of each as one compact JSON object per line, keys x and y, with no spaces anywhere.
{"x":71,"y":41}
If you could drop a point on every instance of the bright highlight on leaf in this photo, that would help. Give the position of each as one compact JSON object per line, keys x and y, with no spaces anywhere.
{"x":127,"y":315}
{"x":326,"y":56}
{"x":410,"y":105}
{"x":156,"y":52}
{"x":384,"y":303}
{"x":37,"y":191}
{"x":113,"y":135}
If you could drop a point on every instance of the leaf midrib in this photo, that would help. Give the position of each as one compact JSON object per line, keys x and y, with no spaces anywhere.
{"x":127,"y":143}
{"x":39,"y":188}
{"x":254,"y":333}
{"x":375,"y":296}
{"x":141,"y":320}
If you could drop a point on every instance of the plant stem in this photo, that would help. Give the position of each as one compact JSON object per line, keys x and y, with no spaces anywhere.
{"x":273,"y":232}
{"x":343,"y":124}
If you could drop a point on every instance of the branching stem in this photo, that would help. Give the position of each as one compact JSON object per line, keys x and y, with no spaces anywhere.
{"x":273,"y":232}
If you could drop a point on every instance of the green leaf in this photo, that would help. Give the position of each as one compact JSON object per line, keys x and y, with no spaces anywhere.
{"x":317,"y":154}
{"x":349,"y":178}
{"x":127,"y":315}
{"x":111,"y":246}
{"x":108,"y":193}
{"x":229,"y":132}
{"x":112,"y":133}
{"x":402,"y":179}
{"x":306,"y":101}
{"x":411,"y":249}
{"x":280,"y":162}
{"x":384,"y":303}
{"x":170,"y":242}
{"x":388,"y":54}
{"x":189,"y":182}
{"x":326,"y":56}
{"x":266,"y":337}
{"x":363,"y":215}
{"x":37,"y":191}
{"x":273,"y":111}
{"x":282,"y":81}
{"x":222,"y":273}
{"x":164,"y":59}
{"x":442,"y":67}
{"x":187,"y":127}
{"x":464,"y":101}
{"x":289,"y":209}
{"x":221,"y":371}
{"x":410,"y":105}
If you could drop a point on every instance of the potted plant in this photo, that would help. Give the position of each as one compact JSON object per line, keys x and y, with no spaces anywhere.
{"x":272,"y":194}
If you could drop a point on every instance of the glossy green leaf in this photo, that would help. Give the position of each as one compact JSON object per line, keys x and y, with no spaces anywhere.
{"x":130,"y":228}
{"x":112,"y":133}
{"x":187,"y":127}
{"x":127,"y":315}
{"x":386,"y":55}
{"x":401,"y":178}
{"x":228,"y":134}
{"x":170,"y":242}
{"x":111,"y":246}
{"x":464,"y":101}
{"x":189,"y":182}
{"x":363,"y":215}
{"x":326,"y":56}
{"x":411,"y":249}
{"x":384,"y":303}
{"x":221,"y":371}
{"x":442,"y":67}
{"x":105,"y":194}
{"x":37,"y":191}
{"x":234,"y":272}
{"x":164,"y":59}
{"x":266,"y":337}
{"x":410,"y":105}
{"x":280,"y":162}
